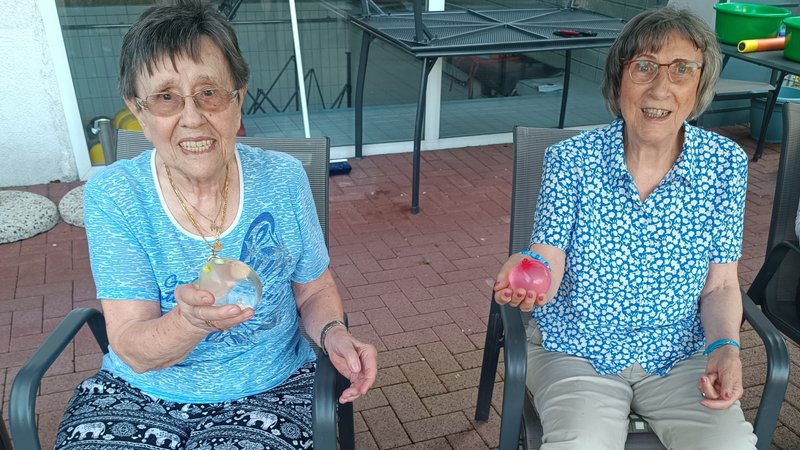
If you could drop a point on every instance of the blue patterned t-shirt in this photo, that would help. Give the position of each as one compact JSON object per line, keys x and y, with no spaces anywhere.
{"x":635,"y":269}
{"x":139,"y":252}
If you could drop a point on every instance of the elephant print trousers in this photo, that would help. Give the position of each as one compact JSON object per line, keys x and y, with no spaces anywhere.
{"x":106,"y":413}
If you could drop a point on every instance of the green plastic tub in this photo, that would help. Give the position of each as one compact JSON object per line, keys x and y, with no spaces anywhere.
{"x":739,"y":21}
{"x":791,"y":48}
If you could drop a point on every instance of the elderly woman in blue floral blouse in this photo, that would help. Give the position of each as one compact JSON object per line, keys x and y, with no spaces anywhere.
{"x":641,"y":225}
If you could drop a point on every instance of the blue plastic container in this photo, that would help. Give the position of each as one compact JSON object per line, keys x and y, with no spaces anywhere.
{"x":775,"y":129}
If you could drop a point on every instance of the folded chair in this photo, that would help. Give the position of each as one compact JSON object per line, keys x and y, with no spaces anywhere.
{"x":777,"y":285}
{"x":327,"y":414}
{"x":520,"y":423}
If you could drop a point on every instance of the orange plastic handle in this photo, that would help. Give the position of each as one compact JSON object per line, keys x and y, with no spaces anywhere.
{"x":761,"y":45}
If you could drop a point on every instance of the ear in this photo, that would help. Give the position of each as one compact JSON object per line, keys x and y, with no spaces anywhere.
{"x":242,"y":93}
{"x":136,"y":111}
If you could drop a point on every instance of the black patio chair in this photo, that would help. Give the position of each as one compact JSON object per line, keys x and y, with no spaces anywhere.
{"x":777,"y":285}
{"x":327,"y":414}
{"x":520,"y":423}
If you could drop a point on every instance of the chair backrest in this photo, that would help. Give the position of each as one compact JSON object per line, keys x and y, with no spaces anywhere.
{"x":787,"y":185}
{"x":529,"y":146}
{"x":313,"y":153}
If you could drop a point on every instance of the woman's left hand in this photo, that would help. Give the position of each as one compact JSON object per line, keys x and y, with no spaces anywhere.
{"x":354,"y":359}
{"x":721,"y":385}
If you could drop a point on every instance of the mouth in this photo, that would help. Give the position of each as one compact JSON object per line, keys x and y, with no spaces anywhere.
{"x":655,"y":113}
{"x":196,"y":147}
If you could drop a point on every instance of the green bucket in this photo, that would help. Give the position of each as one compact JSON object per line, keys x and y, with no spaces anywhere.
{"x":791,"y":48}
{"x":739,"y":21}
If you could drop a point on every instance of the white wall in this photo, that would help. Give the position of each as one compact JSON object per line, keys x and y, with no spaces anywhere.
{"x":39,"y":125}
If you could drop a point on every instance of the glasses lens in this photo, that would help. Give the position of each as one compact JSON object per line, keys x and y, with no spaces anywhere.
{"x":643,"y":71}
{"x":211,"y":99}
{"x":169,"y":103}
{"x":682,"y":70}
{"x":164,"y":103}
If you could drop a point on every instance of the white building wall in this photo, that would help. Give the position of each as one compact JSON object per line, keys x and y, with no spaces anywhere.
{"x":39,"y":124}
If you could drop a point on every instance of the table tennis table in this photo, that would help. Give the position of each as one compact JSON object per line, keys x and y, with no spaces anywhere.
{"x":429,"y":35}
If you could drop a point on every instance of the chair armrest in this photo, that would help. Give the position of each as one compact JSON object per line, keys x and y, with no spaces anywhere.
{"x":22,"y":402}
{"x":777,"y":373}
{"x":328,"y":385}
{"x":323,"y":416}
{"x":515,"y":353}
{"x":772,"y":262}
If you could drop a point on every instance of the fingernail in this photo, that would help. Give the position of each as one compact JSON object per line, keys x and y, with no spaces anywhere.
{"x":703,"y":380}
{"x":727,"y":396}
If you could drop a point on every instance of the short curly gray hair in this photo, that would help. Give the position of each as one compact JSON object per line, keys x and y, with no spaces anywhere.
{"x":647,"y":32}
{"x":172,"y":30}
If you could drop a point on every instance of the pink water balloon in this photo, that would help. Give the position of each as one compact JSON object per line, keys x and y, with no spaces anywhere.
{"x":531,"y":275}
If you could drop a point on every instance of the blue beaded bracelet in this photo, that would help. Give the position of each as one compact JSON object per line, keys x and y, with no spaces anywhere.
{"x":719,"y":343}
{"x":536,"y":256}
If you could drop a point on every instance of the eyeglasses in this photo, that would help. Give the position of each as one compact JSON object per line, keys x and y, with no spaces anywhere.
{"x":643,"y":71}
{"x":168,"y":103}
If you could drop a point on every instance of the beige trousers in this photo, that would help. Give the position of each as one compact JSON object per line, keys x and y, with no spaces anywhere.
{"x":582,"y":410}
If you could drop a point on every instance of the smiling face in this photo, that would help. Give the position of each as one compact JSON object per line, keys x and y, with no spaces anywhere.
{"x":192,"y":141}
{"x":654,"y":112}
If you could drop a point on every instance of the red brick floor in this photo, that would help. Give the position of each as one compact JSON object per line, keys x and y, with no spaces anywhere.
{"x":417,"y":286}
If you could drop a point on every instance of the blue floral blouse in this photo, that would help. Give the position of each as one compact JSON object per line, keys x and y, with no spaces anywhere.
{"x":634,"y":269}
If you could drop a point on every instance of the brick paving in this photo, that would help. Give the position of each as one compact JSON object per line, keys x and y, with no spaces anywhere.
{"x":417,"y":286}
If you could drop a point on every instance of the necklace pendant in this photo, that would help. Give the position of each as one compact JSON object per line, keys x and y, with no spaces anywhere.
{"x":216,"y":246}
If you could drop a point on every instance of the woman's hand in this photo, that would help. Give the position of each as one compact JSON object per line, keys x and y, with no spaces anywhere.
{"x":722,"y":383}
{"x":197,"y":307}
{"x":503,"y":294}
{"x":356,"y":360}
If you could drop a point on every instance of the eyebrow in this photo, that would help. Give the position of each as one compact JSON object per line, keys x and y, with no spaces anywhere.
{"x":170,"y":84}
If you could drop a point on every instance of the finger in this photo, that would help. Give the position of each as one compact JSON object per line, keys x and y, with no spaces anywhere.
{"x":230,"y":317}
{"x":717,"y":404}
{"x":349,"y":395}
{"x":727,"y":387}
{"x":540,"y":300}
{"x":518,"y":297}
{"x":707,"y":388}
{"x":503,"y":297}
{"x":529,"y":302}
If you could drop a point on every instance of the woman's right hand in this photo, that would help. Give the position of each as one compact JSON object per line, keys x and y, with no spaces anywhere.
{"x":522,"y":298}
{"x":197,"y":307}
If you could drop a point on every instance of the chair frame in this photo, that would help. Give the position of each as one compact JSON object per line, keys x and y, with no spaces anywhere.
{"x":314,"y":154}
{"x":505,"y":328}
{"x":782,"y":238}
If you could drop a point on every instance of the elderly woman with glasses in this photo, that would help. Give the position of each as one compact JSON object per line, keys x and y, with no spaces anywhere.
{"x":203,"y":252}
{"x":640,"y":223}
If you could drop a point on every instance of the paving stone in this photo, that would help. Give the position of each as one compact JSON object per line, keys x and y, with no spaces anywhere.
{"x":388,"y":376}
{"x":385,"y":427}
{"x":405,"y":402}
{"x":451,"y":401}
{"x":437,"y":356}
{"x":437,"y":426}
{"x":461,"y":380}
{"x":425,"y":382}
{"x":433,"y":444}
{"x":467,"y":440}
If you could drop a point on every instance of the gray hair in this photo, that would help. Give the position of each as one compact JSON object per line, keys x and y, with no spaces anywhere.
{"x":646,"y":33}
{"x":174,"y":30}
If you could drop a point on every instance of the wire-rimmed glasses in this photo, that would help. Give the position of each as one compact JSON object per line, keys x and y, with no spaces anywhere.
{"x":643,"y":71}
{"x":168,"y":103}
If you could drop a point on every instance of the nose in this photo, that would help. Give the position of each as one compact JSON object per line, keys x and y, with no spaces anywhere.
{"x":662,"y":81}
{"x":191,"y":116}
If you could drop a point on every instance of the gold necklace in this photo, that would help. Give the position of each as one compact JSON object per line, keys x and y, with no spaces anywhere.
{"x":216,"y":229}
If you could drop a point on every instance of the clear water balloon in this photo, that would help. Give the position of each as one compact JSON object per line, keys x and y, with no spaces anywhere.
{"x":231,"y":281}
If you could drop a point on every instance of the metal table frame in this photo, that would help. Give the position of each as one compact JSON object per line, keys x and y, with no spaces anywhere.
{"x":780,"y":66}
{"x":429,"y":36}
